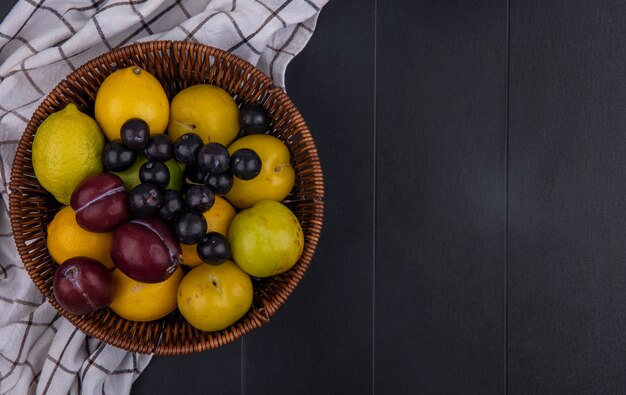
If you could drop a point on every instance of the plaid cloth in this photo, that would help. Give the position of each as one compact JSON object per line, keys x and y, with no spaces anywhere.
{"x":41,"y":41}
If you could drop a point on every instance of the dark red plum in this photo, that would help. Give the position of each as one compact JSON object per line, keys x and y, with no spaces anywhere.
{"x":146,"y":250}
{"x":83,"y":285}
{"x":101,"y":203}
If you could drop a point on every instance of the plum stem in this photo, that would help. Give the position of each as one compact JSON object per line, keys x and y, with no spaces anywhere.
{"x":71,"y":273}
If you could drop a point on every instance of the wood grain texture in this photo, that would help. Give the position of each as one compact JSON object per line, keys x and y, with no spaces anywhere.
{"x":440,"y":197}
{"x":216,"y":371}
{"x":567,"y":221}
{"x":320,"y":342}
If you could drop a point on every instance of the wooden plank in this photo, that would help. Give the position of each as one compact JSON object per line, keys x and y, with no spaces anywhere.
{"x":567,"y":222}
{"x":320,"y":341}
{"x":214,"y":371}
{"x":440,"y":197}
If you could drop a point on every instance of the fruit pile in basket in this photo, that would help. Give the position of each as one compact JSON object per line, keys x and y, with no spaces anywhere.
{"x":167,"y":205}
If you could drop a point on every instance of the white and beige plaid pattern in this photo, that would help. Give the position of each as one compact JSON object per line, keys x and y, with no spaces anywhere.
{"x":40,"y":43}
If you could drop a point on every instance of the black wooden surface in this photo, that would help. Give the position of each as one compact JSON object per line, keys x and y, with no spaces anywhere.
{"x":440,"y":197}
{"x":475,"y":234}
{"x":567,"y":189}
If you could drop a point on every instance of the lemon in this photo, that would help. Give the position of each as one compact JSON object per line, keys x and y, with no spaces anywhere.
{"x":206,"y":110}
{"x":67,"y":147}
{"x":131,"y":93}
{"x":66,"y":239}
{"x":143,"y":302}
{"x":218,"y":219}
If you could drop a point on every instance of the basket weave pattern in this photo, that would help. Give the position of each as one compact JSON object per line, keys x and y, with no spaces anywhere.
{"x":176,"y":65}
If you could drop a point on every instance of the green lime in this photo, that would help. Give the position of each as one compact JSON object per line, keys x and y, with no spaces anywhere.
{"x":67,"y":147}
{"x":130,"y":176}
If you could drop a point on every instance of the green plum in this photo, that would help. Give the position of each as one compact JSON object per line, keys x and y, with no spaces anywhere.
{"x":130,"y":176}
{"x":266,"y":239}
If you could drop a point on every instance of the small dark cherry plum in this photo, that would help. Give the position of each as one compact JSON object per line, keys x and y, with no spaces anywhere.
{"x":117,"y":157}
{"x":173,"y":205}
{"x":220,"y":184}
{"x":214,"y":249}
{"x":254,"y":119}
{"x":190,"y":227}
{"x":145,"y":199}
{"x":213,"y":158}
{"x":186,"y":148}
{"x":199,"y":198}
{"x":156,"y":173}
{"x":245,"y":164}
{"x":159,"y":147}
{"x":135,"y":133}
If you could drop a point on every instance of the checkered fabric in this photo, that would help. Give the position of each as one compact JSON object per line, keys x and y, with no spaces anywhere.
{"x":40,"y":43}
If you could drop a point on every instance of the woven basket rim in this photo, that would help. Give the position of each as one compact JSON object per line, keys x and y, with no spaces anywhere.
{"x":192,"y":341}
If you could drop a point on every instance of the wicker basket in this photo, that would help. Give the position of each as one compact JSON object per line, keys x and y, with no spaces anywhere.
{"x":176,"y":65}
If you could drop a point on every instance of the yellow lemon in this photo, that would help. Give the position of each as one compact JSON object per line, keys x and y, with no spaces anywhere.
{"x":66,"y":239}
{"x":131,"y":93}
{"x":208,"y":111}
{"x":67,"y":147}
{"x":136,"y":301}
{"x":218,"y":219}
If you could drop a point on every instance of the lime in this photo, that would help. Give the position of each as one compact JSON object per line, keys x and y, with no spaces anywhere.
{"x":67,"y":147}
{"x":130,"y":176}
